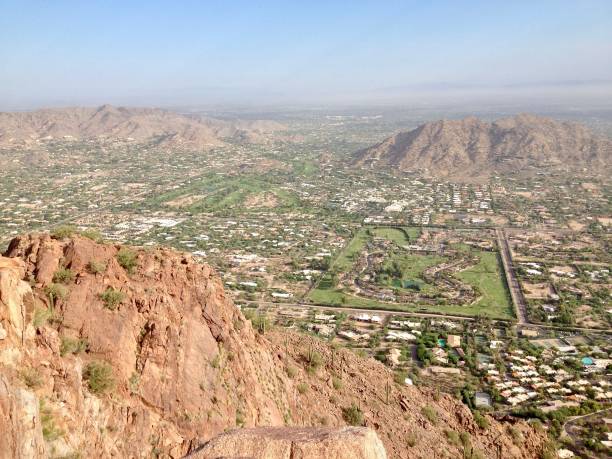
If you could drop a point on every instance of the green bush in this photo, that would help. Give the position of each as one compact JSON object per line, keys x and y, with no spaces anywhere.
{"x":337,"y":383}
{"x":480,"y":420}
{"x":302,"y":388}
{"x":96,"y":267}
{"x":41,"y":317}
{"x":63,"y":276}
{"x":50,"y":430}
{"x":72,"y":346}
{"x":313,"y":360}
{"x":99,"y":377}
{"x":353,"y":415}
{"x":430,"y":413}
{"x":31,"y":377}
{"x":453,"y":437}
{"x":56,"y":292}
{"x":92,"y":234}
{"x":291,"y":372}
{"x":62,"y":232}
{"x":134,"y":383}
{"x":112,"y":298}
{"x":411,"y":439}
{"x":126,"y":259}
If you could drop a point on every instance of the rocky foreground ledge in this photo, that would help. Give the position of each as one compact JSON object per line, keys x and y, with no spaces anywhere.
{"x":294,"y":443}
{"x":110,"y":351}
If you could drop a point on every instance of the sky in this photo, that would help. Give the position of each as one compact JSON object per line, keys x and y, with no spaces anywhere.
{"x":182,"y":52}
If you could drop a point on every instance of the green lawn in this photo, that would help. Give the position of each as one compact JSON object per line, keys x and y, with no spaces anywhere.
{"x":487,"y":275}
{"x":412,"y":267}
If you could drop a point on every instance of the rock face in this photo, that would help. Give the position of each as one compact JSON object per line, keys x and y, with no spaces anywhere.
{"x":472,"y":148}
{"x":169,"y":363}
{"x":149,"y":125}
{"x":294,"y":443}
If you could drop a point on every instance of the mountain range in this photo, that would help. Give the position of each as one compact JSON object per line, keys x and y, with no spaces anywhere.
{"x":471,"y":148}
{"x":147,"y":125}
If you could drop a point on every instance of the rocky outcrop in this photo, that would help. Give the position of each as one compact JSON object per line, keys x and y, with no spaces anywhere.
{"x":470,"y":148}
{"x":156,"y":360}
{"x":294,"y":443}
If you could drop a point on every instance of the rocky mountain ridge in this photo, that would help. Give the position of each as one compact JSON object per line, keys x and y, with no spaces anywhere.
{"x":148,"y":125}
{"x":471,"y":148}
{"x":107,"y":351}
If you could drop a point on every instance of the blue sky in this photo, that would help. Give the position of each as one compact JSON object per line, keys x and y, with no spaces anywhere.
{"x":180,"y":52}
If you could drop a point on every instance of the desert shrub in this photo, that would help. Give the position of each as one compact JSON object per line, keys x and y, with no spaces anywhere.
{"x":549,"y":451}
{"x":112,"y":298}
{"x":337,"y":383}
{"x":126,"y":259}
{"x":240,"y":420}
{"x":63,"y":276}
{"x":260,"y":323}
{"x":31,"y":377}
{"x":41,"y":317}
{"x":50,"y":430}
{"x":430,"y":413}
{"x":134,"y":382}
{"x":313,"y":360}
{"x":480,"y":420}
{"x":99,"y":377}
{"x":96,"y":267}
{"x":453,"y":437}
{"x":411,"y":439}
{"x":302,"y":388}
{"x":72,"y":346}
{"x":56,"y":292}
{"x":291,"y":372}
{"x":517,"y":436}
{"x":92,"y":234}
{"x":353,"y":415}
{"x":64,"y":231}
{"x":465,"y":438}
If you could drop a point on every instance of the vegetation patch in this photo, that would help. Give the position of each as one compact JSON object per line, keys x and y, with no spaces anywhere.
{"x":63,"y":276}
{"x":353,"y":415}
{"x":112,"y":298}
{"x":72,"y":346}
{"x":127,"y":259}
{"x":99,"y":376}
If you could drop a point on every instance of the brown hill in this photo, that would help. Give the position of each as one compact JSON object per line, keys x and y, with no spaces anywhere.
{"x":170,"y":362}
{"x":472,"y":148}
{"x":162,"y":127}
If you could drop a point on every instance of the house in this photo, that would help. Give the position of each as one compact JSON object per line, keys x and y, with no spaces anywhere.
{"x":529,"y":333}
{"x":453,"y":341}
{"x":444,"y":370}
{"x":395,"y":335}
{"x":482,"y":400}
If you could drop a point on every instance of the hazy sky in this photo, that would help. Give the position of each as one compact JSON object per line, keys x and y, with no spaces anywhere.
{"x":197,"y":52}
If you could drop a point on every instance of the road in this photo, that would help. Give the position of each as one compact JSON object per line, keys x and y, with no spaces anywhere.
{"x":518,"y":300}
{"x":568,"y":434}
{"x":432,"y":315}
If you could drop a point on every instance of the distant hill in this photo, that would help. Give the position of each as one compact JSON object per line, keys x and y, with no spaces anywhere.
{"x":471,"y":148}
{"x":162,"y":127}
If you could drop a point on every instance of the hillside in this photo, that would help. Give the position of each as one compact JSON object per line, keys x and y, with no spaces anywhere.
{"x":149,"y":125}
{"x":107,"y":352}
{"x":471,"y":148}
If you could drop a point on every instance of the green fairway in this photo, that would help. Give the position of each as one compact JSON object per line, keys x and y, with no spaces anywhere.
{"x":486,"y":276}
